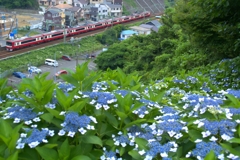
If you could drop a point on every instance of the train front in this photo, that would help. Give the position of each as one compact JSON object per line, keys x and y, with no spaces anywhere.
{"x":9,"y":45}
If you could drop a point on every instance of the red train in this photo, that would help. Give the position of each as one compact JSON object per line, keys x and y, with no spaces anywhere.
{"x":12,"y":45}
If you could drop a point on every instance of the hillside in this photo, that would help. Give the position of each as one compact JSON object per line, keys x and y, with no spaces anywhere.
{"x":154,"y":6}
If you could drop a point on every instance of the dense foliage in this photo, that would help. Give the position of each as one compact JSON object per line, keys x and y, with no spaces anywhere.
{"x":194,"y":34}
{"x":25,"y":4}
{"x":111,"y":115}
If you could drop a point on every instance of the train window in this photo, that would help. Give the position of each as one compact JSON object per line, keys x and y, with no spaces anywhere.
{"x":98,"y":25}
{"x":79,"y":29}
{"x":58,"y":34}
{"x":114,"y":21}
{"x":27,"y":41}
{"x":9,"y":43}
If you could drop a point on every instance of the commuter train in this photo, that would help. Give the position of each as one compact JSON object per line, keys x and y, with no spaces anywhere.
{"x":23,"y":42}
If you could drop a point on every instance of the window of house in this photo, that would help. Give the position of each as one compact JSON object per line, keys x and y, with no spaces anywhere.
{"x":49,"y":15}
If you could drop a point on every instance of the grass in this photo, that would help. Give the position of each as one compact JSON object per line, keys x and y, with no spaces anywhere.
{"x":22,"y":33}
{"x":130,"y":3}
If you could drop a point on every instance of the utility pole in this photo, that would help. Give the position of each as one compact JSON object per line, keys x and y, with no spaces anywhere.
{"x":64,"y":39}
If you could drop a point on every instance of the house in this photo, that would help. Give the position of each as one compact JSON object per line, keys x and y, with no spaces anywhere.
{"x":98,"y":11}
{"x":126,"y":34}
{"x":155,"y":23}
{"x":70,"y":2}
{"x":62,"y":7}
{"x":52,"y":20}
{"x":86,"y":11}
{"x":141,"y":30}
{"x":119,"y":2}
{"x":61,"y":13}
{"x":73,"y":16}
{"x":96,"y":1}
{"x":114,"y":10}
{"x":80,"y":3}
{"x":151,"y":27}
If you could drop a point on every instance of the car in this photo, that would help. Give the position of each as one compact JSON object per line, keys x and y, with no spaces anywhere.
{"x":66,"y":57}
{"x":91,"y":56}
{"x":34,"y":69}
{"x":19,"y":75}
{"x":61,"y":72}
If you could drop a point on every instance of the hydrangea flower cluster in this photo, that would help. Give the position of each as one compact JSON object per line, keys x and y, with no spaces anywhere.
{"x":157,"y":148}
{"x":224,"y":128}
{"x":74,"y":123}
{"x":35,"y":138}
{"x":200,"y":104}
{"x":19,"y":113}
{"x":203,"y":148}
{"x":65,"y":87}
{"x":110,"y":155}
{"x":100,"y":86}
{"x":100,"y":99}
{"x":121,"y":140}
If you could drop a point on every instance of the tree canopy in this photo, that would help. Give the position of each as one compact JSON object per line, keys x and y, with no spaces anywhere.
{"x":19,"y":4}
{"x":194,"y":34}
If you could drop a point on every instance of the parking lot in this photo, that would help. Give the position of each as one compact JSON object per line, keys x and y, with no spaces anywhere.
{"x":62,"y":65}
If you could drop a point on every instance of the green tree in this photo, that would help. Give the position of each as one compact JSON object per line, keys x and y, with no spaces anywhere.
{"x":212,"y":26}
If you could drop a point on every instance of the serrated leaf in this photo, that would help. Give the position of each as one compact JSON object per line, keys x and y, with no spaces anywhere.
{"x":234,"y":140}
{"x":64,"y":151}
{"x":111,"y":119}
{"x":13,"y":156}
{"x":210,"y":156}
{"x":92,"y":140}
{"x":229,"y":148}
{"x":135,"y":154}
{"x":47,"y":153}
{"x":47,"y":117}
{"x":137,"y":122}
{"x":81,"y":157}
{"x":142,"y":143}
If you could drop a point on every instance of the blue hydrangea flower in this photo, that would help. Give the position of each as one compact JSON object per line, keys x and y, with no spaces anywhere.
{"x":35,"y":138}
{"x":109,"y":155}
{"x":74,"y":123}
{"x":203,"y":148}
{"x":19,"y":113}
{"x":65,"y":87}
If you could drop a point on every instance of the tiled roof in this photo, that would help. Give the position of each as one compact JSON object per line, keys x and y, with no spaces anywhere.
{"x":63,"y":6}
{"x":74,"y":9}
{"x":114,"y":5}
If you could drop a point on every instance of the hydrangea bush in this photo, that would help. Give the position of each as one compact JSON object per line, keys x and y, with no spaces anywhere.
{"x":113,"y":116}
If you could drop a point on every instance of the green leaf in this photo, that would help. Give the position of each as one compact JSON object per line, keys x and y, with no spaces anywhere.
{"x":64,"y":151}
{"x":62,"y":98}
{"x":81,"y":157}
{"x":13,"y":156}
{"x":111,"y":119}
{"x":137,"y":122}
{"x":92,"y":140}
{"x":6,"y":128}
{"x":47,"y":153}
{"x":122,"y":115}
{"x":135,"y":154}
{"x":230,"y":149}
{"x":234,"y":100}
{"x":14,"y":137}
{"x":142,"y":143}
{"x":78,"y":106}
{"x":210,"y":156}
{"x":47,"y":117}
{"x":234,"y":140}
{"x":55,"y":113}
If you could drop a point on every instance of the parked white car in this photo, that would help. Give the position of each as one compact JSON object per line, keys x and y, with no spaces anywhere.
{"x":34,"y":69}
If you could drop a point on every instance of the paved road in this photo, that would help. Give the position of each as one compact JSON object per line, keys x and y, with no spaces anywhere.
{"x":63,"y":65}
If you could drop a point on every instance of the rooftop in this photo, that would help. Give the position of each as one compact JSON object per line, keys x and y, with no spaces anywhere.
{"x":129,"y":32}
{"x":139,"y":28}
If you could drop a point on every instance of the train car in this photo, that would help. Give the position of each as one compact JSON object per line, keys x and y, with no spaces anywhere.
{"x":12,"y":45}
{"x":23,"y":42}
{"x":53,"y":35}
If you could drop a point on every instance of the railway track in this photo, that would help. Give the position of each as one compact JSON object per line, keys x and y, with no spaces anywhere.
{"x":5,"y":54}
